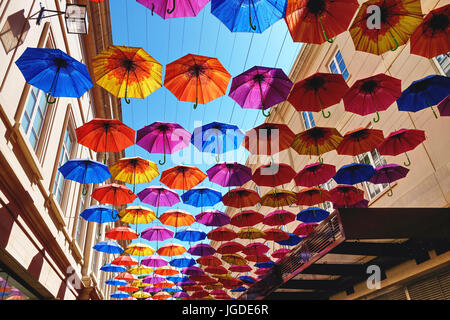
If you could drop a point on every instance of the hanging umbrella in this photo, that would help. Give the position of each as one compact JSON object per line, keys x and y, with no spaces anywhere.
{"x":311,"y":21}
{"x":201,"y":197}
{"x":177,"y":218}
{"x":190,"y":235}
{"x":166,"y":271}
{"x":110,"y":267}
{"x":217,"y":137}
{"x":182,"y":177}
{"x":183,"y":262}
{"x":360,"y":204}
{"x":202,"y":249}
{"x":239,"y":289}
{"x":174,"y":9}
{"x":119,"y":295}
{"x":216,"y":270}
{"x":389,"y":173}
{"x":180,"y":295}
{"x":137,"y":215}
{"x":255,"y":248}
{"x":222,"y":234}
{"x":212,"y":218}
{"x":312,"y":214}
{"x":193,"y":271}
{"x":262,"y":271}
{"x":154,"y":261}
{"x":304,"y":229}
{"x":139,"y":249}
{"x":171,"y":249}
{"x":54,"y":72}
{"x":398,"y":20}
{"x":278,"y":198}
{"x":444,"y":107}
{"x":316,"y":141}
{"x":248,"y":16}
{"x":247,"y":279}
{"x":164,"y":284}
{"x":275,"y":234}
{"x":125,"y":260}
{"x":279,"y":218}
{"x":314,"y":174}
{"x":152,"y":279}
{"x":246,"y":218}
{"x":84,"y":171}
{"x":217,"y":292}
{"x":141,"y":295}
{"x":214,"y":286}
{"x":203,"y":279}
{"x":430,"y":38}
{"x":240,"y":269}
{"x":156,"y":233}
{"x":114,"y":282}
{"x":99,"y":214}
{"x":108,"y":246}
{"x":401,"y":141}
{"x":162,"y":295}
{"x":317,"y":92}
{"x":372,"y":94}
{"x":354,"y":173}
{"x":159,"y":196}
{"x":312,"y":196}
{"x":163,"y":137}
{"x":134,"y":170}
{"x":127,"y":72}
{"x":126,"y":276}
{"x":280,"y":253}
{"x":209,"y":261}
{"x":272,"y":175}
{"x":259,"y":140}
{"x":121,"y":233}
{"x":105,"y":135}
{"x":234,"y":259}
{"x":346,"y":195}
{"x":178,"y":279}
{"x":241,"y":198}
{"x":260,"y":88}
{"x":140,"y":270}
{"x":250,"y":233}
{"x":114,"y":194}
{"x":229,"y":174}
{"x":196,"y":78}
{"x":230,"y":247}
{"x":293,"y":240}
{"x":424,"y":93}
{"x":360,"y":141}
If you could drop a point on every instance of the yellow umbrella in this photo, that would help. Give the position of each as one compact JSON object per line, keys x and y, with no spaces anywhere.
{"x":140,"y":270}
{"x":139,"y":249}
{"x":213,"y":286}
{"x":134,"y":170}
{"x":140,"y":284}
{"x":137,"y":215}
{"x":278,"y":198}
{"x":141,"y":295}
{"x":234,"y":258}
{"x":127,"y":72}
{"x":223,"y":276}
{"x":250,"y":233}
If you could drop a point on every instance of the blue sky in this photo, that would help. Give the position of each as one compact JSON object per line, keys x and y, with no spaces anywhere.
{"x":168,"y":40}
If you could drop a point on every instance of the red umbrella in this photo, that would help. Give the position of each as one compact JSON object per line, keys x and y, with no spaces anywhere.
{"x":126,"y":276}
{"x":274,"y":174}
{"x":257,"y":258}
{"x":200,"y":294}
{"x":279,"y":218}
{"x":246,"y":218}
{"x":317,"y":92}
{"x":401,"y":141}
{"x":280,"y":253}
{"x":312,"y":196}
{"x":240,"y":268}
{"x":203,"y":279}
{"x":360,"y":141}
{"x":372,"y":94}
{"x":115,"y":194}
{"x":231,"y":283}
{"x":124,"y":261}
{"x":241,"y":198}
{"x":259,"y":139}
{"x":346,"y":195}
{"x":230,"y":247}
{"x":255,"y":248}
{"x":128,"y":288}
{"x":217,"y":292}
{"x":444,"y":107}
{"x":209,"y":261}
{"x":261,"y":271}
{"x":121,"y":233}
{"x":275,"y":234}
{"x":315,"y":174}
{"x":216,"y":270}
{"x":222,"y":234}
{"x":303,"y":229}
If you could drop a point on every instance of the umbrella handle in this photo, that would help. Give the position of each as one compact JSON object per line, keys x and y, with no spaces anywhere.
{"x":250,"y":15}
{"x":48,"y":99}
{"x":320,"y":159}
{"x":377,"y":118}
{"x":169,"y":11}
{"x":434,"y":112}
{"x":326,"y":116}
{"x":264,"y":113}
{"x":164,"y":150}
{"x":395,"y":40}
{"x":164,"y":160}
{"x":196,"y":92}
{"x":390,"y":193}
{"x":407,"y":164}
{"x":331,"y":40}
{"x":153,"y":8}
{"x":84,"y":191}
{"x":126,"y":89}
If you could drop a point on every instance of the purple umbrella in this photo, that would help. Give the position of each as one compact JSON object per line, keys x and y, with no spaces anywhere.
{"x":444,"y":107}
{"x":187,"y":283}
{"x":157,"y":233}
{"x":389,"y":173}
{"x":152,"y":289}
{"x":154,"y":261}
{"x":183,"y":8}
{"x":163,"y":137}
{"x":193,"y":271}
{"x":361,"y":204}
{"x":228,"y":174}
{"x":152,"y":279}
{"x":159,"y":196}
{"x":180,"y":294}
{"x":202,"y":249}
{"x":213,"y":218}
{"x":260,"y":87}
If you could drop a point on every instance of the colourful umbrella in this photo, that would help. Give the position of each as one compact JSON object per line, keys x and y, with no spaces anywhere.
{"x":139,"y":249}
{"x":163,"y":137}
{"x":99,"y":214}
{"x":110,"y":267}
{"x":201,"y":249}
{"x":166,"y":271}
{"x":134,"y":170}
{"x":229,"y":174}
{"x":316,"y":141}
{"x":140,"y":270}
{"x":262,"y":271}
{"x":171,"y":249}
{"x":182,"y":177}
{"x":250,"y":233}
{"x":193,"y":271}
{"x":222,"y":234}
{"x":183,"y":262}
{"x":127,"y":72}
{"x":389,"y":173}
{"x":178,"y":279}
{"x":360,"y":204}
{"x":119,"y":295}
{"x":114,"y":282}
{"x":234,"y":259}
{"x":108,"y":246}
{"x":317,"y":92}
{"x":125,"y":260}
{"x":430,"y":38}
{"x":424,"y":93}
{"x":156,"y":233}
{"x":114,"y":194}
{"x":259,"y":140}
{"x":196,"y":79}
{"x":401,"y":141}
{"x":278,"y":198}
{"x":154,"y":261}
{"x":279,"y":218}
{"x":272,"y":175}
{"x":164,"y":284}
{"x":238,"y":15}
{"x":241,"y":198}
{"x":141,"y":295}
{"x":190,"y":235}
{"x":230,"y":247}
{"x":346,"y":195}
{"x":177,"y":218}
{"x":360,"y":141}
{"x":372,"y":94}
{"x":303,"y":229}
{"x":247,"y":279}
{"x":275,"y":234}
{"x":312,"y":214}
{"x":258,"y":258}
{"x":85,"y":171}
{"x":209,"y":261}
{"x":444,"y":107}
{"x":201,"y":197}
{"x":126,"y":276}
{"x":354,"y":173}
{"x":280,"y":253}
{"x":239,"y":289}
{"x":314,"y":174}
{"x":54,"y":72}
{"x":312,"y":196}
{"x":212,"y":218}
{"x":185,"y":8}
{"x":312,"y":21}
{"x":121,"y":233}
{"x":152,"y":279}
{"x":240,"y":269}
{"x":293,"y":240}
{"x":216,"y":270}
{"x":162,"y":295}
{"x":396,"y":21}
{"x":246,"y":218}
{"x":260,"y":88}
{"x":255,"y":248}
{"x":180,"y":294}
{"x":159,"y":196}
{"x":137,"y":215}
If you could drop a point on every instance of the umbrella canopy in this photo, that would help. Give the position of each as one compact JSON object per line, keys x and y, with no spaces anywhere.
{"x":246,"y":218}
{"x":121,"y":233}
{"x":230,"y":247}
{"x":114,"y":282}
{"x":140,"y":270}
{"x":180,"y":294}
{"x":119,"y":295}
{"x":346,"y":195}
{"x":134,"y":170}
{"x":162,"y":295}
{"x":126,"y":276}
{"x":209,"y":261}
{"x":127,"y":72}
{"x":154,"y":261}
{"x":182,"y":177}
{"x":280,"y":253}
{"x":303,"y":229}
{"x":248,"y":15}
{"x":196,"y":78}
{"x":234,"y":259}
{"x":141,"y":295}
{"x":110,"y":267}
{"x":430,"y":37}
{"x":212,"y":218}
{"x":275,"y":234}
{"x":274,"y":174}
{"x":279,"y":218}
{"x":174,"y":9}
{"x":312,"y":196}
{"x":389,"y":173}
{"x":177,"y":279}
{"x":250,"y":233}
{"x":360,"y":141}
{"x":164,"y":284}
{"x":201,"y":249}
{"x":85,"y":171}
{"x":182,"y":262}
{"x":222,"y":234}
{"x":255,"y":248}
{"x":216,"y":270}
{"x":360,"y":204}
{"x":193,"y":271}
{"x":99,"y":214}
{"x":278,"y":198}
{"x":114,"y":194}
{"x":401,"y":141}
{"x":399,"y":19}
{"x":54,"y":72}
{"x":259,"y":140}
{"x":354,"y":173}
{"x":177,"y":218}
{"x":241,"y":198}
{"x":424,"y":93}
{"x":152,"y":279}
{"x":139,"y":249}
{"x":312,"y":214}
{"x":166,"y":271}
{"x":312,"y":21}
{"x":314,"y":174}
{"x":171,"y":249}
{"x":190,"y":235}
{"x":108,"y":246}
{"x":444,"y":107}
{"x":372,"y":94}
{"x":240,"y":269}
{"x":317,"y":92}
{"x":202,"y":197}
{"x":159,"y":196}
{"x":293,"y":240}
{"x":125,"y":260}
{"x":260,"y":88}
{"x":156,"y":233}
{"x":247,"y":279}
{"x":137,"y":215}
{"x":229,"y":174}
{"x":163,"y":137}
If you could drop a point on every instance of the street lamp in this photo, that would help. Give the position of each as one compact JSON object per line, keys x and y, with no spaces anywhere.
{"x":75,"y":15}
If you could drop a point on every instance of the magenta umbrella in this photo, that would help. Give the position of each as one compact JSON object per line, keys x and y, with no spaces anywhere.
{"x":180,"y":294}
{"x":152,"y":279}
{"x":193,"y":271}
{"x":202,"y":249}
{"x":213,"y":218}
{"x":444,"y":107}
{"x":260,"y":88}
{"x":176,"y":9}
{"x":154,"y":261}
{"x":159,"y":196}
{"x":157,"y":233}
{"x":360,"y":204}
{"x":255,"y":248}
{"x":151,"y":289}
{"x":315,"y":174}
{"x":279,"y":218}
{"x":229,"y":174}
{"x":163,"y":137}
{"x":389,"y":173}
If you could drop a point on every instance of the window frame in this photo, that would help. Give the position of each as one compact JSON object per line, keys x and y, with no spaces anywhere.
{"x":308,"y":121}
{"x":368,"y":185}
{"x":334,"y":60}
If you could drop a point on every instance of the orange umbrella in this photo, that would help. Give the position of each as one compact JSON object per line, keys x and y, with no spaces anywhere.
{"x":137,"y":215}
{"x":196,"y":79}
{"x":182,"y":177}
{"x":126,"y":276}
{"x":250,"y":233}
{"x":121,"y":233}
{"x":134,"y":170}
{"x":128,"y":288}
{"x":171,"y":249}
{"x":124,"y":261}
{"x":234,"y":259}
{"x":166,"y":271}
{"x":164,"y":284}
{"x":360,"y":141}
{"x":161,"y":295}
{"x":177,"y":218}
{"x":139,"y":249}
{"x":275,"y":234}
{"x":240,"y":198}
{"x":312,"y":196}
{"x":222,"y":234}
{"x":209,"y":261}
{"x":114,"y":194}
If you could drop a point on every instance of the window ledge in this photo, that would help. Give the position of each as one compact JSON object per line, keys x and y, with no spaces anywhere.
{"x":53,"y":205}
{"x":77,"y":251}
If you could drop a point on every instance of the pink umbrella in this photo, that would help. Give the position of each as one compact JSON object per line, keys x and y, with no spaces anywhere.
{"x":152,"y":279}
{"x":152,"y":289}
{"x":389,"y":173}
{"x":193,"y":271}
{"x":401,"y":141}
{"x":444,"y":107}
{"x":177,"y":9}
{"x":256,"y":248}
{"x":280,"y":253}
{"x":229,"y":174}
{"x":303,"y":229}
{"x":213,"y":218}
{"x":180,"y":294}
{"x":159,"y":196}
{"x":154,"y":261}
{"x":315,"y":174}
{"x":279,"y":218}
{"x":157,"y":233}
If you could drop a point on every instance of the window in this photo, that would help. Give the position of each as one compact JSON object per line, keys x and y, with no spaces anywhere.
{"x":375,"y":159}
{"x":34,"y":115}
{"x":66,"y":150}
{"x":327,"y":205}
{"x":95,"y":254}
{"x":444,"y":61}
{"x":308,"y":119}
{"x":80,"y":222}
{"x":337,"y":65}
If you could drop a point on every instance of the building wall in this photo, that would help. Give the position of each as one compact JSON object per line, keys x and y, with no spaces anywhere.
{"x":39,"y":233}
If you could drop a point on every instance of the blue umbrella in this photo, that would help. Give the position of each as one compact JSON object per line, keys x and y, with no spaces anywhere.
{"x":108,"y":267}
{"x":119,"y":295}
{"x":182,"y":262}
{"x":100,"y":214}
{"x":116,"y":282}
{"x":312,"y":214}
{"x":268,"y":264}
{"x":54,"y":72}
{"x":173,"y":289}
{"x":108,"y":246}
{"x":191,"y":235}
{"x":291,"y":241}
{"x":239,"y":289}
{"x":85,"y":171}
{"x":178,"y":279}
{"x":424,"y":93}
{"x":202,"y":197}
{"x":239,"y":15}
{"x":207,"y":138}
{"x":354,"y":173}
{"x":247,"y":279}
